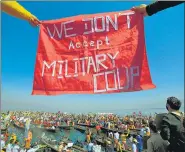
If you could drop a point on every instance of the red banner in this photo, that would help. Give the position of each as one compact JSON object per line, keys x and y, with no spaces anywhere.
{"x":99,"y":53}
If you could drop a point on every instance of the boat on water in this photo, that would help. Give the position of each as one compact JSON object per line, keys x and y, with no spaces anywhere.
{"x":65,"y":127}
{"x":90,"y":126}
{"x":132,"y":131}
{"x":45,"y":129}
{"x":55,"y":147}
{"x":79,"y":128}
{"x":17,"y":125}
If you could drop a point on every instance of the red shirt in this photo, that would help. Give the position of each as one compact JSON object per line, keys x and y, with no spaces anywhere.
{"x":98,"y":127}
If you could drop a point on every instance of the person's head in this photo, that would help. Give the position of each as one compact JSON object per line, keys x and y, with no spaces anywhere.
{"x":13,"y":134}
{"x":152,"y":126}
{"x":134,"y":141}
{"x":16,"y":142}
{"x":11,"y":141}
{"x":173,"y":104}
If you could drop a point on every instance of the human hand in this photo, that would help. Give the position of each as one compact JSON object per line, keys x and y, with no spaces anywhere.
{"x":34,"y":21}
{"x":140,"y":9}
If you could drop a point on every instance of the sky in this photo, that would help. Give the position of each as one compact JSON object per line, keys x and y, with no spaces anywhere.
{"x":164,"y":36}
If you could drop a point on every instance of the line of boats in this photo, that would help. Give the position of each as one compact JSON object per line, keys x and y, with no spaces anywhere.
{"x":80,"y":127}
{"x":65,"y":127}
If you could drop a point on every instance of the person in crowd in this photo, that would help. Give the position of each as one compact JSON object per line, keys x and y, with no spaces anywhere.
{"x":110,"y":134}
{"x":2,"y":142}
{"x":28,"y":140}
{"x":155,"y":143}
{"x":13,"y":137}
{"x":90,"y":147}
{"x":96,"y":147}
{"x":124,"y":138}
{"x":61,"y":147}
{"x":88,"y":137}
{"x":109,"y":147}
{"x":15,"y":9}
{"x":118,"y":146}
{"x":134,"y":145}
{"x":171,"y":125}
{"x":16,"y":147}
{"x":149,"y":10}
{"x":6,"y":135}
{"x":9,"y":147}
{"x":116,"y":135}
{"x":98,"y":129}
{"x":140,"y":142}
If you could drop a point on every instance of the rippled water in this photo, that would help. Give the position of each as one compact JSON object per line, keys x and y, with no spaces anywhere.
{"x":73,"y":135}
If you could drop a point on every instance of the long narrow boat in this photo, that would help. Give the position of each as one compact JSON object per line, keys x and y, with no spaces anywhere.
{"x":81,"y":129}
{"x":90,"y":126}
{"x":17,"y":126}
{"x":132,"y":132}
{"x":55,"y":147}
{"x":45,"y":129}
{"x":65,"y":127}
{"x":42,"y":129}
{"x":77,"y":148}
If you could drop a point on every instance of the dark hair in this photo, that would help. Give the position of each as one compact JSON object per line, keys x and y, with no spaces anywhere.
{"x":174,"y":103}
{"x":152,"y":126}
{"x":16,"y":142}
{"x":183,"y":122}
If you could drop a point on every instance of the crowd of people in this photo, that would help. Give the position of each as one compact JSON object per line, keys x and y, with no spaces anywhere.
{"x":120,"y":133}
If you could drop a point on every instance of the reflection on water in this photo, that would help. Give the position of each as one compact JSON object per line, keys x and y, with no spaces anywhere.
{"x":72,"y":135}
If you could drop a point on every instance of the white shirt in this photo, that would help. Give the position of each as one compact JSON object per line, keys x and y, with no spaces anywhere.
{"x":96,"y":148}
{"x":9,"y":148}
{"x":16,"y":148}
{"x":110,"y":134}
{"x":2,"y":144}
{"x":134,"y":148}
{"x":116,"y":135}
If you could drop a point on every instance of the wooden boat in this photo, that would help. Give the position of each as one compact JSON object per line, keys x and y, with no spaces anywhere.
{"x":55,"y":147}
{"x":132,"y":131}
{"x":35,"y":127}
{"x":77,"y":148}
{"x":46,"y":129}
{"x":90,"y":126}
{"x":65,"y":127}
{"x":17,"y":126}
{"x":81,"y":129}
{"x":110,"y":130}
